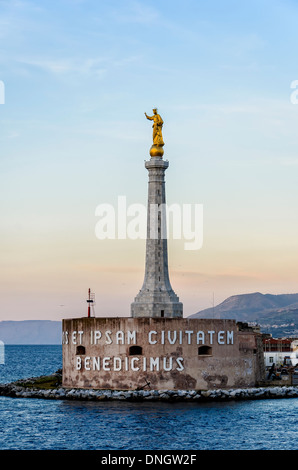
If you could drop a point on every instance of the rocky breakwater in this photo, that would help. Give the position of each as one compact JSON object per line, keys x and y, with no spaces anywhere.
{"x":49,"y":387}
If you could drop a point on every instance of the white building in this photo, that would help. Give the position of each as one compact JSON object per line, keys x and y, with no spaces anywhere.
{"x":280,"y":352}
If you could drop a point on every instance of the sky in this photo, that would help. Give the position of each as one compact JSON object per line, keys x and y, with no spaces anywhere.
{"x":76,"y":77}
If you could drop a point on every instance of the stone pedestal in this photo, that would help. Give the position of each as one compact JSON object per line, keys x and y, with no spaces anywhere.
{"x":156,"y":297}
{"x":168,"y":353}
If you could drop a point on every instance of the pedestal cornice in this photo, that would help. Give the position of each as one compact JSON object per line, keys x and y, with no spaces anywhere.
{"x":156,"y":163}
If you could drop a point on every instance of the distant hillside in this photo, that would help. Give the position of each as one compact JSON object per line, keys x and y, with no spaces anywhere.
{"x":31,"y":332}
{"x":276,"y":314}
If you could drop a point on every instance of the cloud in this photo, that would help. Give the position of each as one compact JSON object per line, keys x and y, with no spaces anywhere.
{"x":136,"y":12}
{"x":97,"y":67}
{"x":65,"y":66}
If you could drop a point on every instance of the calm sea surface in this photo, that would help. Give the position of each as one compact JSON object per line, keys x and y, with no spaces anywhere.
{"x":76,"y":425}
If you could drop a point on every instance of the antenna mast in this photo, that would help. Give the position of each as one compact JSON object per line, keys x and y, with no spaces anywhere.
{"x":91,"y":303}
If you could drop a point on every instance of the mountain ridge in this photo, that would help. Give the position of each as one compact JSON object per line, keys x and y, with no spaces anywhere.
{"x":275,"y":313}
{"x":249,"y":306}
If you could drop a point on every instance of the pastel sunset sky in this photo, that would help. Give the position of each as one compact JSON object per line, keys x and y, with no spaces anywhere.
{"x":77,"y":77}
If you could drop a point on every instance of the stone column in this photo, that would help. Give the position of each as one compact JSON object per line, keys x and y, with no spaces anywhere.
{"x":156,"y":297}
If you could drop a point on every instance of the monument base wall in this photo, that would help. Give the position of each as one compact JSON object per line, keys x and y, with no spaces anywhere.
{"x":156,"y":310}
{"x":177,"y":353}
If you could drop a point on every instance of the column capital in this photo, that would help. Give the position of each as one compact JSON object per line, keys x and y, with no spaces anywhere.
{"x":156,"y":163}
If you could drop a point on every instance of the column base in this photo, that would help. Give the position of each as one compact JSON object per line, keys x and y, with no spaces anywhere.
{"x":157,"y":310}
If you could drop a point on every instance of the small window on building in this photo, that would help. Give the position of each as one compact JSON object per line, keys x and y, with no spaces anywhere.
{"x":162,"y":313}
{"x":81,"y":350}
{"x":135,"y":351}
{"x":271,"y":360}
{"x":205,"y":351}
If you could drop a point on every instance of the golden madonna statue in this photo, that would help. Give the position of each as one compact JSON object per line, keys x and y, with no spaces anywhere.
{"x":158,"y":143}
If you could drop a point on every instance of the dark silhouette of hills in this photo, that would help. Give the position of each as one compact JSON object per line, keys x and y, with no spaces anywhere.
{"x":277,"y":314}
{"x":31,"y":332}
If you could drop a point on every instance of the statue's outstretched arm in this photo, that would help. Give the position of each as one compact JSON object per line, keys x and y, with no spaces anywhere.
{"x":149,"y":117}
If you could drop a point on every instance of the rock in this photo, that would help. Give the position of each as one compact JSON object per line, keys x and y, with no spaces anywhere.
{"x":164,"y":396}
{"x":274,"y":391}
{"x":292,"y":393}
{"x":119,"y":395}
{"x":31,"y":387}
{"x":100,"y":397}
{"x":150,"y":397}
{"x":197,"y":396}
{"x":206,"y":393}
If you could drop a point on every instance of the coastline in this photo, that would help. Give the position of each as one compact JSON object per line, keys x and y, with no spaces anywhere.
{"x":49,"y":387}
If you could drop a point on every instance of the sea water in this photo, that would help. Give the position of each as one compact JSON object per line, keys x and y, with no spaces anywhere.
{"x":38,"y":424}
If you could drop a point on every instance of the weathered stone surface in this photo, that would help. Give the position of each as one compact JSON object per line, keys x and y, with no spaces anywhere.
{"x":171,"y":353}
{"x":156,"y":297}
